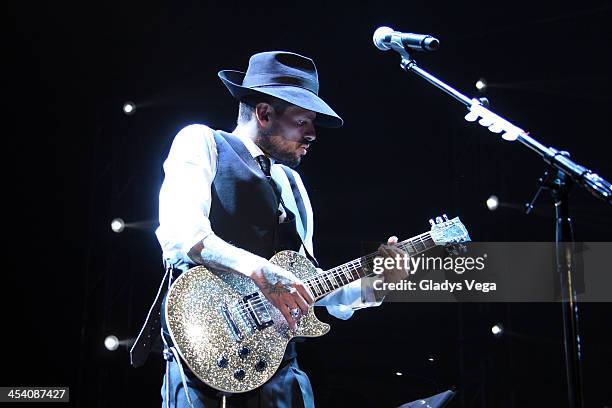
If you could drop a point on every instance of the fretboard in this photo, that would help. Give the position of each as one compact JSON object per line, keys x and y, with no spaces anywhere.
{"x":330,"y":280}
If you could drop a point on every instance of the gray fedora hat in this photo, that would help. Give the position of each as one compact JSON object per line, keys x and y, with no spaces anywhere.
{"x":284,"y":75}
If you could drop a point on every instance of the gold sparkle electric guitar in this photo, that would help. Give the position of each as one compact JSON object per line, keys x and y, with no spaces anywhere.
{"x":233,"y":339}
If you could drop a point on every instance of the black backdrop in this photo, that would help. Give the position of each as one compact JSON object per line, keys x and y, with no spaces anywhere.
{"x":74,"y":161}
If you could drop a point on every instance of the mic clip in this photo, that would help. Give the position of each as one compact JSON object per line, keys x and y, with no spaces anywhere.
{"x":398,"y":46}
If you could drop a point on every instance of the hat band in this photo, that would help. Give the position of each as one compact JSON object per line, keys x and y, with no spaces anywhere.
{"x":262,"y":80}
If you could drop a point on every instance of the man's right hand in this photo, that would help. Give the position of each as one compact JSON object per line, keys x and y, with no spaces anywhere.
{"x":284,"y":290}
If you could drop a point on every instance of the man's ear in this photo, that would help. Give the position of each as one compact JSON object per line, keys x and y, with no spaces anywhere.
{"x":264,"y":113}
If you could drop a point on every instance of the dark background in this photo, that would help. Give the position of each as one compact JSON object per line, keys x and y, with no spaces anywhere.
{"x":74,"y":161}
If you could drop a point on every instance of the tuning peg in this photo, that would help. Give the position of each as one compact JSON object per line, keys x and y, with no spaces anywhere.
{"x":445,"y":217}
{"x":431,"y":222}
{"x":439,"y":220}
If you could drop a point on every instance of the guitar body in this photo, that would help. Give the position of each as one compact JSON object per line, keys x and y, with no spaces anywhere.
{"x":227,"y":332}
{"x":234,"y":340}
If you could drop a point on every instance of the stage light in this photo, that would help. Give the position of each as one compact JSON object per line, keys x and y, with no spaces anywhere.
{"x":129,"y":108}
{"x":481,"y":85}
{"x":111,"y":343}
{"x":492,"y":203}
{"x":399,"y":373}
{"x":497,"y":330}
{"x":117,"y":225}
{"x":431,"y":359}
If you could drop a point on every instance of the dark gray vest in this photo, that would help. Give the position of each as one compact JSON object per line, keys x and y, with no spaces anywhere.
{"x":244,"y":207}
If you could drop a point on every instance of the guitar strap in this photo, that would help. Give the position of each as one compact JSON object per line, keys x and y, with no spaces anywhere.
{"x":169,"y":354}
{"x":142,"y":346}
{"x":150,"y":329}
{"x":299,"y":202}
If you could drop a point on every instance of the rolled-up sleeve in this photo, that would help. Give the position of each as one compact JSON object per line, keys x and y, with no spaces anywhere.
{"x":185,"y":194}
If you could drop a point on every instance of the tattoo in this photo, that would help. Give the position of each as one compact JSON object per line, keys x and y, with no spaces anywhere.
{"x":279,"y":287}
{"x":276,"y":289}
{"x":220,"y":255}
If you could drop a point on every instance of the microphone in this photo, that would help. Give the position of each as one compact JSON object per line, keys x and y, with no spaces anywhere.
{"x":420,"y":42}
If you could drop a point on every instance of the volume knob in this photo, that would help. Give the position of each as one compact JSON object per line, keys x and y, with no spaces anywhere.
{"x":222,"y":362}
{"x":239,"y":374}
{"x":244,"y":352}
{"x":261,"y":365}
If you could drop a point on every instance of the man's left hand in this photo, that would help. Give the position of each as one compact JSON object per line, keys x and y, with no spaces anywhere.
{"x":397,"y":273}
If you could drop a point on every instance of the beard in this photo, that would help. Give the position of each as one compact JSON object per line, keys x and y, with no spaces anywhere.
{"x":278,"y":148}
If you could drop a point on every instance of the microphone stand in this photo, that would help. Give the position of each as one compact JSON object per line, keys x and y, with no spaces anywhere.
{"x":566,"y":173}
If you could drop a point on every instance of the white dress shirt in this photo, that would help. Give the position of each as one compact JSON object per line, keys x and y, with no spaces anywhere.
{"x":185,"y":201}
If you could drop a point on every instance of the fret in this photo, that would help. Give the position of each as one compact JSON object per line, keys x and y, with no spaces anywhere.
{"x":419,"y":245}
{"x":356,"y":271}
{"x":345,"y":273}
{"x":365,"y":264}
{"x":342,"y":275}
{"x":317,"y":290}
{"x":321,"y":283}
{"x":356,"y":265}
{"x":413,"y":251}
{"x":428,"y":242}
{"x":322,"y":279}
{"x":311,"y":287}
{"x":416,"y":245}
{"x":329,"y":282}
{"x":333,"y":280}
{"x":424,"y":239}
{"x":348,"y":276}
{"x":351,"y":272}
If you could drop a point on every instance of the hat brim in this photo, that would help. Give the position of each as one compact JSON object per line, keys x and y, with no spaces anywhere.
{"x":301,"y":97}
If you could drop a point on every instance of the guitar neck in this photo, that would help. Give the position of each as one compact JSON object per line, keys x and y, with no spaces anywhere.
{"x":330,"y":280}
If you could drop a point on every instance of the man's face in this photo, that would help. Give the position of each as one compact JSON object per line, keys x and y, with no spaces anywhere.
{"x":287,"y":137}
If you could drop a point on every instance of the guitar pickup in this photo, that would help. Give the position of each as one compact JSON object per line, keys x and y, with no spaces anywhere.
{"x":231,"y":324}
{"x":258,"y":310}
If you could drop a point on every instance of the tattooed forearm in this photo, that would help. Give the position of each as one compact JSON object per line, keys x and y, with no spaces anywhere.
{"x":218,"y":254}
{"x":275,"y":284}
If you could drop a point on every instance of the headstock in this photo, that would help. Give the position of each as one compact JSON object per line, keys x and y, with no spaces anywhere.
{"x":445,"y":231}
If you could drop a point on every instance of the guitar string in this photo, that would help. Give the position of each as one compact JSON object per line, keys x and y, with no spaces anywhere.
{"x":339,"y":271}
{"x":318,"y":284}
{"x":259,"y":305}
